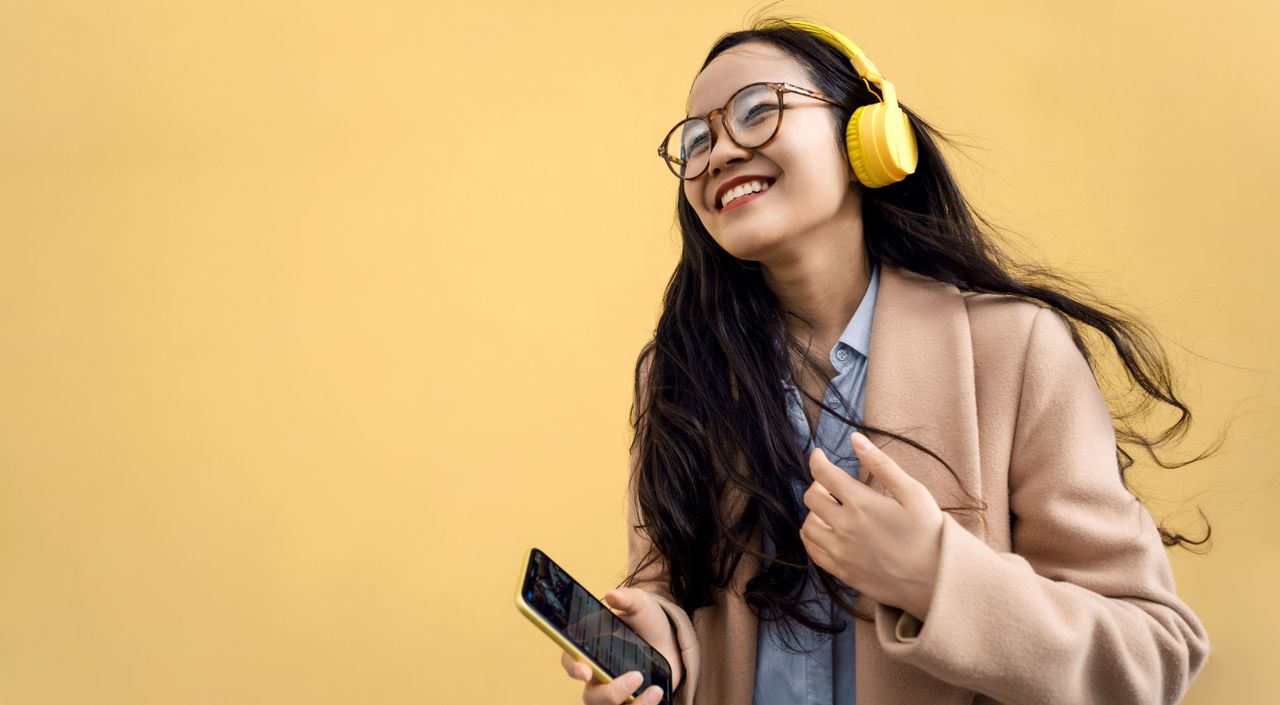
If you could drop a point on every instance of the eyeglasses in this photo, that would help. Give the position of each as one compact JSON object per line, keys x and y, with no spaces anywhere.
{"x":751,"y":118}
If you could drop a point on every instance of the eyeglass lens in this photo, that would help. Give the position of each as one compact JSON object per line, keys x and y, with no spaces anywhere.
{"x":751,"y":118}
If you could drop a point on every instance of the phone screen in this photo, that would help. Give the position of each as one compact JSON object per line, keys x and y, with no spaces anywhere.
{"x":590,"y":625}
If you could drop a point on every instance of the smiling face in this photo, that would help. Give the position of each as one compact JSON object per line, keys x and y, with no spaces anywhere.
{"x":811,"y":190}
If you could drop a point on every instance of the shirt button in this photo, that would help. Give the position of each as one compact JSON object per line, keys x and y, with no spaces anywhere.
{"x":842,"y":354}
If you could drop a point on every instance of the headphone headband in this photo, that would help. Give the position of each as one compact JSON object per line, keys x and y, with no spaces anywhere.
{"x":861,"y":63}
{"x":880,"y":140}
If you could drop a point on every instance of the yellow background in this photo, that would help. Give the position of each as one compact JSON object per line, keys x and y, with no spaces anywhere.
{"x":316,"y":315}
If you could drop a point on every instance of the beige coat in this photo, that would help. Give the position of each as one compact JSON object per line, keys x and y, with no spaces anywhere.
{"x":1061,"y":592}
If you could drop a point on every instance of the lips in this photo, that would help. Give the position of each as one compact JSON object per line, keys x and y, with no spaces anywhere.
{"x":724,"y":188}
{"x":740,"y":201}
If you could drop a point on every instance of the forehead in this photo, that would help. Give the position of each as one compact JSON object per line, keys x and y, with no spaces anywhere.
{"x":735,"y":68}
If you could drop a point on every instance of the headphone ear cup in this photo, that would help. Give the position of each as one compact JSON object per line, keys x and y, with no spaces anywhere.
{"x":882,"y":148}
{"x":853,"y":144}
{"x":901,"y":150}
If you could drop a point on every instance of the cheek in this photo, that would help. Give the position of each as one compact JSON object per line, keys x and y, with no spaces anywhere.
{"x":815,"y":188}
{"x":813,"y":164}
{"x":692,"y":194}
{"x":707,"y":216}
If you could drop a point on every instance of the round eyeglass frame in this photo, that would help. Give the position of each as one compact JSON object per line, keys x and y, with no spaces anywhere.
{"x":781,"y":88}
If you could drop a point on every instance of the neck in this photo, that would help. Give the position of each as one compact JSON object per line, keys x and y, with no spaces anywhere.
{"x":822,"y":282}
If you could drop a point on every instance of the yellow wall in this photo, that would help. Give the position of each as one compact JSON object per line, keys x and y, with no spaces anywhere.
{"x":309,"y":328}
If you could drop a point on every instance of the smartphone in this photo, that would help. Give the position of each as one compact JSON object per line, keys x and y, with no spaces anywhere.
{"x":585,"y":627}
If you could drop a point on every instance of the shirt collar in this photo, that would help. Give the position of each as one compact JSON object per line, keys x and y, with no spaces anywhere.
{"x":857,"y":334}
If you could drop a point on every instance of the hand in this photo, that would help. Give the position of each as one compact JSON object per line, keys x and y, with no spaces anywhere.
{"x":643,"y":614}
{"x":886,"y":547}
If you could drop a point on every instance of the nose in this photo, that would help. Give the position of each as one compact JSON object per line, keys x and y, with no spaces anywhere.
{"x":725,"y":151}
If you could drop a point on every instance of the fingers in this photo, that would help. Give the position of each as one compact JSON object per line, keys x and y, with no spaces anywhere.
{"x":627,"y":601}
{"x":576,"y":669}
{"x":838,"y":483}
{"x":616,"y":691}
{"x":904,"y":488}
{"x":619,"y":599}
{"x":814,"y":546}
{"x":651,"y":696}
{"x":834,"y":495}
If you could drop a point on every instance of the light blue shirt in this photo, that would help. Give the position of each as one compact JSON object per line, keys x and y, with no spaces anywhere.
{"x":825,"y":677}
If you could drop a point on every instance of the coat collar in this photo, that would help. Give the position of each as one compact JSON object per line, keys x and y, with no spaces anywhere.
{"x":920,"y":384}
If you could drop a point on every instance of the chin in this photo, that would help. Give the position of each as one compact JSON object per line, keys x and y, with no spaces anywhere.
{"x":749,"y":243}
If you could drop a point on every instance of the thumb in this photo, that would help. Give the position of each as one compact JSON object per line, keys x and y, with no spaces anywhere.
{"x":619,"y":599}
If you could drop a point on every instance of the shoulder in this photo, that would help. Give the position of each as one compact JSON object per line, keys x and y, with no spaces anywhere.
{"x":1002,"y":326}
{"x":1012,"y":322}
{"x":1035,"y":349}
{"x":1000,"y":315}
{"x":1019,"y":337}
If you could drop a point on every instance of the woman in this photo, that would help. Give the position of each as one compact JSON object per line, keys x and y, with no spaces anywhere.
{"x":983,"y":546}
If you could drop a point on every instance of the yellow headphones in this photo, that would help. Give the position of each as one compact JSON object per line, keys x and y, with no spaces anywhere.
{"x":881,"y":144}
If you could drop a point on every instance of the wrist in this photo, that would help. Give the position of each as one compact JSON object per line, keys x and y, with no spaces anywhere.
{"x":921,"y":593}
{"x":918,"y":606}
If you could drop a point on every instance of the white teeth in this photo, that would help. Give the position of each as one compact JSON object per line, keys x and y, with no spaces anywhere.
{"x":742,"y":190}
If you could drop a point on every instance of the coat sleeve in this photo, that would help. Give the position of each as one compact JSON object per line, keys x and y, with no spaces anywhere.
{"x":1085,"y":610}
{"x":654,"y":580}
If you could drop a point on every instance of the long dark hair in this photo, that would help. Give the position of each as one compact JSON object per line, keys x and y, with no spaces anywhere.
{"x":710,"y":416}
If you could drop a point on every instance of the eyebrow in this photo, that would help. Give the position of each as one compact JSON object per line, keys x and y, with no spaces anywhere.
{"x":689,"y":114}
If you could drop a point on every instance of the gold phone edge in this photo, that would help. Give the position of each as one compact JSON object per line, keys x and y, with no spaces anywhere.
{"x":527,"y":610}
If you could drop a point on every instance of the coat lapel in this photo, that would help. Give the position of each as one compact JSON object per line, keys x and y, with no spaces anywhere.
{"x":920,"y":384}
